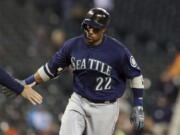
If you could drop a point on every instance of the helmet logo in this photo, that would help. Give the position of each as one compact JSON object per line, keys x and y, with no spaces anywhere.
{"x":133,"y":62}
{"x":90,"y":12}
{"x":101,"y":16}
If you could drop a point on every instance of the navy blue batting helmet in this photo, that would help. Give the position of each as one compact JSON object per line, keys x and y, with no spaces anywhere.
{"x":97,"y":17}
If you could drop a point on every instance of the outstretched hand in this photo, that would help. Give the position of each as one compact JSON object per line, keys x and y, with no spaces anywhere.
{"x":31,"y":95}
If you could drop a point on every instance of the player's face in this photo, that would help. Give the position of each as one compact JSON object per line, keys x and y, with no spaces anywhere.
{"x":93,"y":35}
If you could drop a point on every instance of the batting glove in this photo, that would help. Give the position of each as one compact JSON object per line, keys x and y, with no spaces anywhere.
{"x":137,"y":117}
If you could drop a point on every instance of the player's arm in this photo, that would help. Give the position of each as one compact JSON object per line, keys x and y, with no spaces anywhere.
{"x":172,"y":71}
{"x":137,"y":87}
{"x":9,"y":82}
{"x":25,"y":91}
{"x":43,"y":74}
{"x":51,"y":69}
{"x":133,"y":72}
{"x":137,"y":117}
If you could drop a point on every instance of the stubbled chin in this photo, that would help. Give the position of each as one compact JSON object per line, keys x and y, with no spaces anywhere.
{"x":89,"y":40}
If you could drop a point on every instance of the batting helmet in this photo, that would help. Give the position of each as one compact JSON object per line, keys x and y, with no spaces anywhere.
{"x":97,"y":17}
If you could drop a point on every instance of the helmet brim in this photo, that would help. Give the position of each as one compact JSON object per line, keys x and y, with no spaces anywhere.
{"x":93,"y":24}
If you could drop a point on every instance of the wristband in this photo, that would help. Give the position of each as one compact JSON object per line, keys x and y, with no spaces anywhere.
{"x":138,"y":97}
{"x":138,"y":102}
{"x":30,"y":79}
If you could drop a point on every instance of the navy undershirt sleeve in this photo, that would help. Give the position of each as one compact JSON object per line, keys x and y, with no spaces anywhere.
{"x":9,"y":82}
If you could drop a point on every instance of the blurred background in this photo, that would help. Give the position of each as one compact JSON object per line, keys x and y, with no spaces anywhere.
{"x":31,"y":31}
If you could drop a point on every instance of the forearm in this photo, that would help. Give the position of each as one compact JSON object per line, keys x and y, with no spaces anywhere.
{"x":138,"y":90}
{"x":9,"y":82}
{"x":34,"y":78}
{"x":43,"y":74}
{"x":137,"y":116}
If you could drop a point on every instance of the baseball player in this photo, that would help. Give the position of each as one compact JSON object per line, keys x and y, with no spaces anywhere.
{"x":25,"y":91}
{"x":101,"y":65}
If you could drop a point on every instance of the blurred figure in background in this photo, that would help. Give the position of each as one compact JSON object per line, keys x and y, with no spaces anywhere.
{"x":172,"y":73}
{"x":41,"y":40}
{"x":161,"y":116}
{"x":173,"y":70}
{"x":7,"y":129}
{"x":41,"y":120}
{"x":11,"y":131}
{"x":58,"y":37}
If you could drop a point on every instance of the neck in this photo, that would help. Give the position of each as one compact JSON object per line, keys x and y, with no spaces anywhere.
{"x":96,"y":43}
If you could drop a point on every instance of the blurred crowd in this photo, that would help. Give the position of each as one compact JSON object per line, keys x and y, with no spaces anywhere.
{"x":31,"y":31}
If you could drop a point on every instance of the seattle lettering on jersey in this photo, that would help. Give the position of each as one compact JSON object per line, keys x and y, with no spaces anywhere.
{"x":92,"y":64}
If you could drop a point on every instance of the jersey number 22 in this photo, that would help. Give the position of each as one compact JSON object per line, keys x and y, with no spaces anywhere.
{"x":103,"y":83}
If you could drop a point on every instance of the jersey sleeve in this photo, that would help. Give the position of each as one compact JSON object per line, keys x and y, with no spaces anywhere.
{"x":129,"y":65}
{"x":9,"y":82}
{"x":61,"y":59}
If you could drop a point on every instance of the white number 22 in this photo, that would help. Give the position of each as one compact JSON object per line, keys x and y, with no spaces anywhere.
{"x":103,"y":83}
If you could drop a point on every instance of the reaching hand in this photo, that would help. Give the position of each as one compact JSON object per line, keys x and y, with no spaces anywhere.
{"x":137,"y":117}
{"x":31,"y":95}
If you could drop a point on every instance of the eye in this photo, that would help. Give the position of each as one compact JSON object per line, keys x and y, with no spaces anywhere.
{"x":88,"y":27}
{"x":96,"y":30}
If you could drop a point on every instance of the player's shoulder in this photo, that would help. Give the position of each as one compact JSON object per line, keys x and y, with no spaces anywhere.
{"x":74,"y":40}
{"x":70,"y":43}
{"x":116,"y":44}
